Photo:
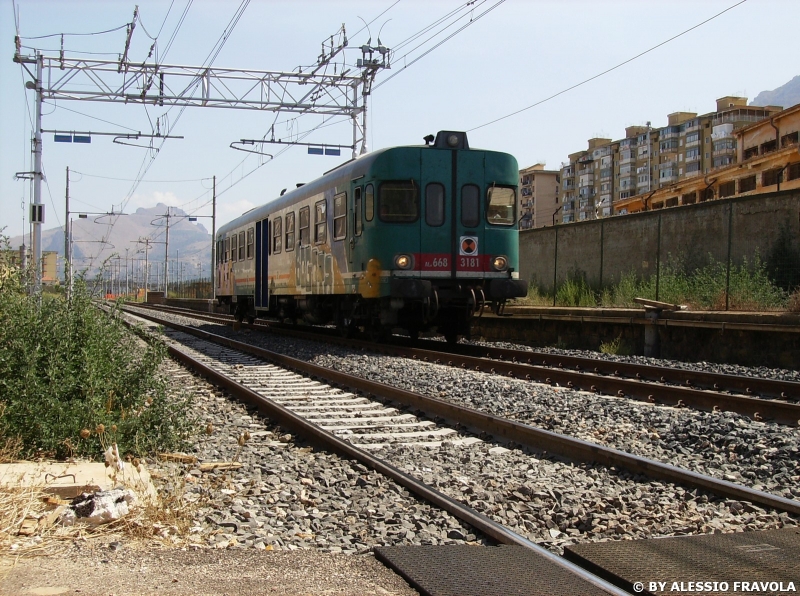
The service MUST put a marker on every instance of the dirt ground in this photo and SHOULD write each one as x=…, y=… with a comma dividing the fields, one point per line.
x=119, y=569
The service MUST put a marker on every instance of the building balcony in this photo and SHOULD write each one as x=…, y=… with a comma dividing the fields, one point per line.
x=667, y=164
x=691, y=174
x=724, y=151
x=667, y=179
x=668, y=135
x=690, y=159
x=693, y=143
x=692, y=128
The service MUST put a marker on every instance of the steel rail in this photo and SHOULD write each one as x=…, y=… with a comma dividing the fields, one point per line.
x=698, y=379
x=515, y=432
x=288, y=419
x=519, y=364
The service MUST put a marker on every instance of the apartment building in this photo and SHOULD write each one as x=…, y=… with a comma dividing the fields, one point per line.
x=766, y=158
x=538, y=196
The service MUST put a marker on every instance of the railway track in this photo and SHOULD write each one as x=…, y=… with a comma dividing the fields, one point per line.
x=356, y=417
x=327, y=415
x=759, y=398
x=489, y=426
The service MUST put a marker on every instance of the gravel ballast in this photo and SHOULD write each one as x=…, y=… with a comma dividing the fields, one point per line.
x=294, y=497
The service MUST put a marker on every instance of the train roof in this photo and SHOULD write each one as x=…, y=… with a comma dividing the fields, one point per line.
x=345, y=172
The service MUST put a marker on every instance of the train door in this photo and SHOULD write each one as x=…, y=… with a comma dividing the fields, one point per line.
x=468, y=213
x=262, y=265
x=436, y=215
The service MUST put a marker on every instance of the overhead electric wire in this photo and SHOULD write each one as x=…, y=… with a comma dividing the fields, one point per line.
x=456, y=32
x=143, y=169
x=76, y=34
x=134, y=180
x=164, y=22
x=427, y=28
x=546, y=99
x=61, y=107
x=175, y=32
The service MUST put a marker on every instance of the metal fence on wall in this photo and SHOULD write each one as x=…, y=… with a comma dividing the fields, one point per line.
x=735, y=254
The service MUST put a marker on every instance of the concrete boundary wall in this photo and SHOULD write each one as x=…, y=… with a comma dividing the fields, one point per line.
x=603, y=250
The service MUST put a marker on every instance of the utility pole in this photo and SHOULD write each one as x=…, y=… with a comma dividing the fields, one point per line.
x=213, y=238
x=67, y=255
x=127, y=287
x=146, y=242
x=166, y=258
x=649, y=149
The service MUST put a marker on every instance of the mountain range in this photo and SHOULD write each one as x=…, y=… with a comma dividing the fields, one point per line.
x=786, y=95
x=95, y=240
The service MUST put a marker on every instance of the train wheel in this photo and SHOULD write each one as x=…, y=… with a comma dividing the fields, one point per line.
x=378, y=333
x=346, y=328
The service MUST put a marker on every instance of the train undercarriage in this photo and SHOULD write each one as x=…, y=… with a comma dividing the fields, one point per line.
x=415, y=306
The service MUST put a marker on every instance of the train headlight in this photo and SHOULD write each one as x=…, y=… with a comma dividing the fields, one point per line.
x=403, y=262
x=500, y=263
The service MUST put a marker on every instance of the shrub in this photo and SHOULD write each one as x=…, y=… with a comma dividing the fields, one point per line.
x=70, y=367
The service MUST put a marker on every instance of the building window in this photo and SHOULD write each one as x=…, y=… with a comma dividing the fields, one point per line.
x=769, y=146
x=728, y=189
x=770, y=177
x=689, y=198
x=290, y=232
x=340, y=216
x=751, y=152
x=793, y=171
x=789, y=139
x=747, y=184
x=672, y=202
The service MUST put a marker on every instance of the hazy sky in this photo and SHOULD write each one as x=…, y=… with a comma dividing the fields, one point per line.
x=519, y=53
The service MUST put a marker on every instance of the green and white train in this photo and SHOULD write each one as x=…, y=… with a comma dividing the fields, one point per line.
x=419, y=238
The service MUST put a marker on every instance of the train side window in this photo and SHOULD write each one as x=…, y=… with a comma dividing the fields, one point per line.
x=320, y=221
x=277, y=235
x=470, y=205
x=241, y=246
x=305, y=226
x=251, y=239
x=234, y=252
x=340, y=216
x=398, y=202
x=357, y=223
x=369, y=202
x=501, y=203
x=290, y=231
x=227, y=249
x=434, y=204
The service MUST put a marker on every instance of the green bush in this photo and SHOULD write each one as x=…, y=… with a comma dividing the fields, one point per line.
x=66, y=368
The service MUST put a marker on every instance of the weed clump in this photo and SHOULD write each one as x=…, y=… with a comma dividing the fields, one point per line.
x=67, y=367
